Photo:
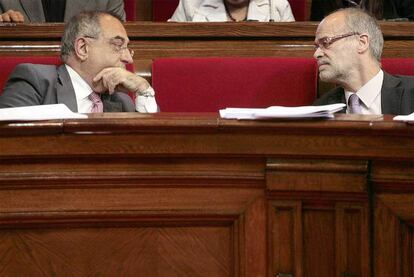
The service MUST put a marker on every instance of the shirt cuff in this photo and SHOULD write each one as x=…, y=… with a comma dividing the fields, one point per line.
x=145, y=101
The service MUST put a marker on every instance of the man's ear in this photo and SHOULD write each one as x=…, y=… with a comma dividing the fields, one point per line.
x=81, y=48
x=363, y=43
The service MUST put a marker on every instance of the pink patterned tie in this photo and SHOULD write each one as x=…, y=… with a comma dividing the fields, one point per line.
x=97, y=105
x=354, y=106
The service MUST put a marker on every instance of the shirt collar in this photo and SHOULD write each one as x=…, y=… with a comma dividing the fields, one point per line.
x=81, y=87
x=370, y=91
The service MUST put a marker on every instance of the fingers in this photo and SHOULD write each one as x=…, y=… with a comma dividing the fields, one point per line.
x=12, y=16
x=112, y=78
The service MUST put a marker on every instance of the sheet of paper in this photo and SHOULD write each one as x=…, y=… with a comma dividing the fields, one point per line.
x=406, y=118
x=41, y=112
x=282, y=112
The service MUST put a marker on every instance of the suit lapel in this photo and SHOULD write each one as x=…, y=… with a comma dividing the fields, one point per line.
x=64, y=89
x=338, y=96
x=34, y=10
x=391, y=95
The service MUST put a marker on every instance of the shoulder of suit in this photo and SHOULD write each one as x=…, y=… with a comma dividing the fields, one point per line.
x=28, y=70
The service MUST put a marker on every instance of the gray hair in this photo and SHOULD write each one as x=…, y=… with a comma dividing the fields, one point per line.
x=84, y=24
x=361, y=22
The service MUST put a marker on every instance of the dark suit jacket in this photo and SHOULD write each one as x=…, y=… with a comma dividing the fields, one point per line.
x=32, y=10
x=397, y=95
x=36, y=84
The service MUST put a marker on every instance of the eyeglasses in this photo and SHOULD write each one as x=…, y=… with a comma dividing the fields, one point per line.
x=326, y=42
x=117, y=43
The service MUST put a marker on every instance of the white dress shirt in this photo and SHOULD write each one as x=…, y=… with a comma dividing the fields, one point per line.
x=82, y=91
x=370, y=95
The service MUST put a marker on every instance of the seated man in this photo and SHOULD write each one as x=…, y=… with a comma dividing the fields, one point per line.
x=349, y=45
x=93, y=78
x=55, y=10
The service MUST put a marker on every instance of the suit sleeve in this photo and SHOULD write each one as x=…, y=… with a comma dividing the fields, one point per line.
x=117, y=7
x=22, y=89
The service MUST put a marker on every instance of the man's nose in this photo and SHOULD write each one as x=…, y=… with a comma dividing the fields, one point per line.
x=127, y=57
x=318, y=53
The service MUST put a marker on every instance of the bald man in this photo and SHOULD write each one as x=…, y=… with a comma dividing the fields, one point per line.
x=349, y=45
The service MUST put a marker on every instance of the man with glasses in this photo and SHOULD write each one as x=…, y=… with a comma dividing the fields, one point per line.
x=349, y=45
x=93, y=77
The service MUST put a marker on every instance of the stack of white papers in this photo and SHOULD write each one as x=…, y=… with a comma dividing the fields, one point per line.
x=42, y=112
x=282, y=112
x=406, y=118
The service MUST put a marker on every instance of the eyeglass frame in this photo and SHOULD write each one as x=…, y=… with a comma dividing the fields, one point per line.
x=119, y=49
x=326, y=42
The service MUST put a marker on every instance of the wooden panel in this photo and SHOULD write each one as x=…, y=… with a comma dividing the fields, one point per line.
x=387, y=242
x=285, y=238
x=151, y=251
x=394, y=217
x=319, y=243
x=407, y=251
x=255, y=239
x=352, y=240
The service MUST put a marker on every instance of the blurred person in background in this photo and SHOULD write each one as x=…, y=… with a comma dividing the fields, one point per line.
x=395, y=10
x=232, y=11
x=55, y=10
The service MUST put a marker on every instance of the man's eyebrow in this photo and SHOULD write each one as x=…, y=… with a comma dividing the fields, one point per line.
x=119, y=38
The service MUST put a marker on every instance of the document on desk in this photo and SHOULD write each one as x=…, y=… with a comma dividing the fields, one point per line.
x=41, y=112
x=282, y=112
x=406, y=118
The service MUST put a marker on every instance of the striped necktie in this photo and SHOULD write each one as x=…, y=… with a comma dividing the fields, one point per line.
x=97, y=105
x=354, y=105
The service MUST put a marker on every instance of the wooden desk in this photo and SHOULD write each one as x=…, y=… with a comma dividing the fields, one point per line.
x=196, y=195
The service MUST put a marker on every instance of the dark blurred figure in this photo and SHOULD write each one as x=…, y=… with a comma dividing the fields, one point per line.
x=55, y=10
x=380, y=9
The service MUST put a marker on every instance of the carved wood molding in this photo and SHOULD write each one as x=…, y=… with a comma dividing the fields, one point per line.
x=321, y=181
x=116, y=172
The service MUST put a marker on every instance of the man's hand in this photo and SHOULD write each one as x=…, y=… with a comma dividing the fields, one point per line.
x=11, y=16
x=113, y=79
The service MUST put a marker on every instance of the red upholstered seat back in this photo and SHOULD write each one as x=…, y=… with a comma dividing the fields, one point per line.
x=130, y=10
x=210, y=84
x=299, y=9
x=162, y=10
x=7, y=65
x=399, y=66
